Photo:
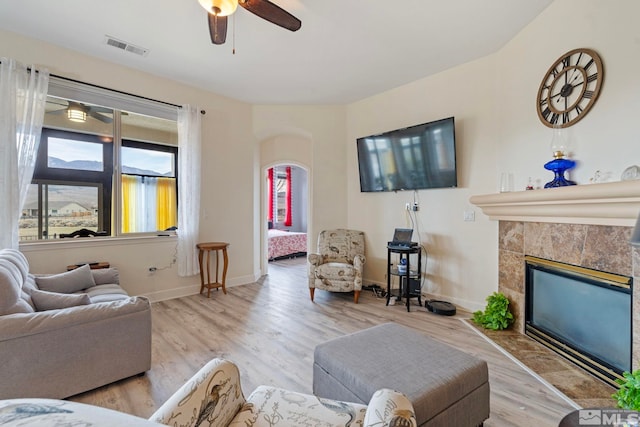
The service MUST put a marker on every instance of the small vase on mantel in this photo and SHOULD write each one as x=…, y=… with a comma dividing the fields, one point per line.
x=560, y=164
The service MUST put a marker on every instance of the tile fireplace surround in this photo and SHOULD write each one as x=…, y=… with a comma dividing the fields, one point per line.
x=585, y=225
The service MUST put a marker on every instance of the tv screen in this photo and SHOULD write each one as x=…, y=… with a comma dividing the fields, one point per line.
x=413, y=158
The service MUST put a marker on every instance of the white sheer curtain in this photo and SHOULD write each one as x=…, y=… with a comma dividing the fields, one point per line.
x=23, y=96
x=140, y=199
x=189, y=144
x=150, y=203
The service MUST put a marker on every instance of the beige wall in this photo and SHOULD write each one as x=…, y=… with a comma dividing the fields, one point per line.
x=492, y=99
x=459, y=253
x=607, y=138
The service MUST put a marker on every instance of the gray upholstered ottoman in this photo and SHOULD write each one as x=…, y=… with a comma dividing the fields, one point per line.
x=446, y=386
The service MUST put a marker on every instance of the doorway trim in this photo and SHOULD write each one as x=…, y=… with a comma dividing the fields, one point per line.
x=264, y=229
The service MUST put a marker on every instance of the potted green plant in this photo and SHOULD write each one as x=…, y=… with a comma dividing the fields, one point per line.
x=496, y=315
x=628, y=395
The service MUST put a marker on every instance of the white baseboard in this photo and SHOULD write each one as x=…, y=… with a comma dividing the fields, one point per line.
x=173, y=293
x=194, y=289
x=463, y=304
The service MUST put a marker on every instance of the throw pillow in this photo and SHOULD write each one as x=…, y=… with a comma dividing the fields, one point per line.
x=44, y=300
x=68, y=282
x=105, y=276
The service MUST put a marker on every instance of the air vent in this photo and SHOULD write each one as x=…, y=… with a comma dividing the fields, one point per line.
x=128, y=47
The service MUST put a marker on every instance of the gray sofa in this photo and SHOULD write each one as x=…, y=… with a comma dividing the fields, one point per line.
x=64, y=334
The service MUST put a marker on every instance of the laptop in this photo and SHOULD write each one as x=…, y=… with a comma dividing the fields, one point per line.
x=402, y=239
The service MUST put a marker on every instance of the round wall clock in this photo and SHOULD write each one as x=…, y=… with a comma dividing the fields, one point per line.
x=570, y=88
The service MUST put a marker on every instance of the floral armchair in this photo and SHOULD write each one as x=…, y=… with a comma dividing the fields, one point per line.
x=338, y=265
x=213, y=398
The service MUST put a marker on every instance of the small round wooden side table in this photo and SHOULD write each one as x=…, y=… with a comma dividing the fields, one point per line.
x=206, y=248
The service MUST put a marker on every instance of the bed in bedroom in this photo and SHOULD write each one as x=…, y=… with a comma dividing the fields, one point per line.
x=286, y=244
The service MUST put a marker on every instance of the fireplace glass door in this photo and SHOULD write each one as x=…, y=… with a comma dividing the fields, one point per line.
x=581, y=313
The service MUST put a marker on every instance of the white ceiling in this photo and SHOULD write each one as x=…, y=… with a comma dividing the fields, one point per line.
x=346, y=50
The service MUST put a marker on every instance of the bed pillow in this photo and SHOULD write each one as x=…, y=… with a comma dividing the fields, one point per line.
x=68, y=282
x=44, y=300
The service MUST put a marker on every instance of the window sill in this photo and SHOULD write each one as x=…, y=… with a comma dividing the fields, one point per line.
x=86, y=242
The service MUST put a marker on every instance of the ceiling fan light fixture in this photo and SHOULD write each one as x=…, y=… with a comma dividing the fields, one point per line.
x=76, y=115
x=219, y=7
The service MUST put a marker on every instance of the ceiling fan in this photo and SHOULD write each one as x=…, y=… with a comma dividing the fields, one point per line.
x=78, y=112
x=218, y=11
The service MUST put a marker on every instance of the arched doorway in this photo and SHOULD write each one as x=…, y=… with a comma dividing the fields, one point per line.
x=286, y=211
x=278, y=153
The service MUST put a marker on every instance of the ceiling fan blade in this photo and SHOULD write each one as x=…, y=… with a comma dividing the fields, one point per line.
x=101, y=109
x=51, y=100
x=217, y=28
x=98, y=116
x=272, y=13
x=77, y=105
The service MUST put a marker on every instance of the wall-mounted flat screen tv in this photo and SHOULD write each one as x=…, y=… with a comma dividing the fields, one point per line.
x=413, y=158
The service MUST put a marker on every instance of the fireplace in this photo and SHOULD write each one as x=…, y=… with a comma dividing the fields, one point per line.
x=582, y=225
x=581, y=313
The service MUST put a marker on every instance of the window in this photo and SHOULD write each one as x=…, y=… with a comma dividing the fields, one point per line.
x=279, y=180
x=108, y=170
x=149, y=191
x=281, y=195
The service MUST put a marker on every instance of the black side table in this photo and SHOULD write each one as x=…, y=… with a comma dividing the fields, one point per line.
x=404, y=253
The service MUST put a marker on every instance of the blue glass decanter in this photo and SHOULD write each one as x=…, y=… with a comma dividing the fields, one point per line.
x=559, y=165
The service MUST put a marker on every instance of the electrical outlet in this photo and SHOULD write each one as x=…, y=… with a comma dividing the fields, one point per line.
x=469, y=216
x=408, y=206
x=415, y=207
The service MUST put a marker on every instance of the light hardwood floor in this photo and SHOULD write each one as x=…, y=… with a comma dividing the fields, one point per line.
x=271, y=328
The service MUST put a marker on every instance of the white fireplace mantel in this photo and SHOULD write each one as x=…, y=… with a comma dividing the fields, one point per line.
x=610, y=203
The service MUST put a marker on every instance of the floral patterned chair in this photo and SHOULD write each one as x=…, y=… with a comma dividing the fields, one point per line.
x=213, y=398
x=338, y=265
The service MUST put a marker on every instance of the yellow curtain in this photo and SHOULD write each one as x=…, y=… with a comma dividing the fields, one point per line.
x=166, y=214
x=129, y=186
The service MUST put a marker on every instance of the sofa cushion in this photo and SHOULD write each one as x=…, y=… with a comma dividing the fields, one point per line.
x=44, y=300
x=29, y=286
x=336, y=271
x=13, y=272
x=106, y=276
x=48, y=322
x=67, y=282
x=106, y=293
x=268, y=406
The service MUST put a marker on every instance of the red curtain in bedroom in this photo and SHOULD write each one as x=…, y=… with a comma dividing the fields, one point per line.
x=270, y=194
x=287, y=218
